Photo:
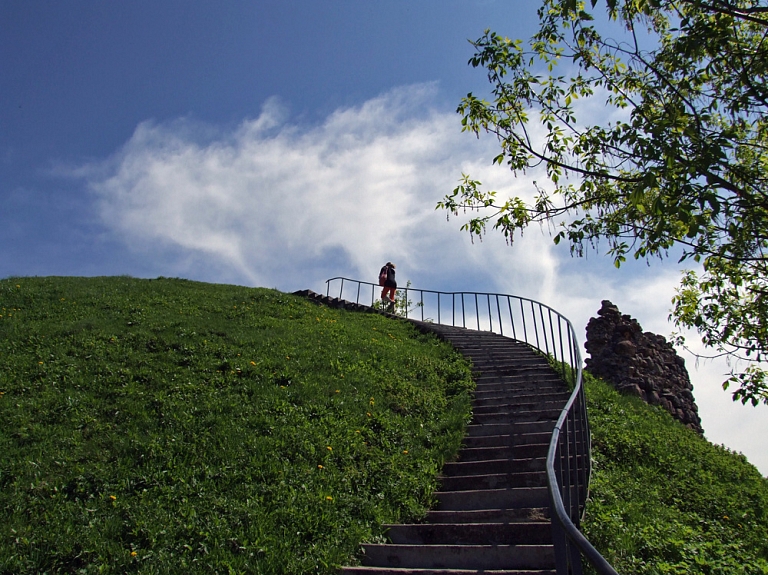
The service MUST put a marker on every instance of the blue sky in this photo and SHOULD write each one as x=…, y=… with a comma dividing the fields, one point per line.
x=277, y=144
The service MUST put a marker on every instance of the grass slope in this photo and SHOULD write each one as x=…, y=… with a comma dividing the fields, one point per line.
x=666, y=501
x=169, y=426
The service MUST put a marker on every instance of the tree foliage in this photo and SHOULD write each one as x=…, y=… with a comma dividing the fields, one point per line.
x=677, y=164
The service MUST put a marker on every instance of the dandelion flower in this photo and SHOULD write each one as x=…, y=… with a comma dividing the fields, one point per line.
x=253, y=363
x=329, y=498
x=320, y=467
x=405, y=451
x=329, y=448
x=133, y=553
x=112, y=497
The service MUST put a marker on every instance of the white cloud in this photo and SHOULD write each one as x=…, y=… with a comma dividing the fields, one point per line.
x=281, y=205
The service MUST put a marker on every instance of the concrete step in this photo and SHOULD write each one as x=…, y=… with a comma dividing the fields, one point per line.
x=510, y=498
x=527, y=409
x=499, y=417
x=512, y=366
x=521, y=393
x=521, y=451
x=493, y=481
x=522, y=388
x=522, y=377
x=459, y=468
x=522, y=533
x=514, y=427
x=512, y=401
x=503, y=440
x=459, y=556
x=477, y=441
x=510, y=385
x=521, y=514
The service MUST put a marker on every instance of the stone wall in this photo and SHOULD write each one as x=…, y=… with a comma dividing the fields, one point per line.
x=641, y=364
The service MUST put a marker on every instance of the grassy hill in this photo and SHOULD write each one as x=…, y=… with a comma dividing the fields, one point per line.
x=169, y=426
x=666, y=501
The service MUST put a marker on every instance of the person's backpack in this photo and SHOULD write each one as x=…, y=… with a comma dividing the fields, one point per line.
x=383, y=275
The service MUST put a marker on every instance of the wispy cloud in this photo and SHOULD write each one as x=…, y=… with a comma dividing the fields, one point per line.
x=274, y=202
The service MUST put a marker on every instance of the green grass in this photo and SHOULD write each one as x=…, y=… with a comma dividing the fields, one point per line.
x=666, y=501
x=169, y=426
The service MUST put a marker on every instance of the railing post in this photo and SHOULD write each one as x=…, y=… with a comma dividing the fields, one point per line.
x=498, y=311
x=522, y=315
x=560, y=547
x=552, y=333
x=511, y=317
x=535, y=326
x=543, y=329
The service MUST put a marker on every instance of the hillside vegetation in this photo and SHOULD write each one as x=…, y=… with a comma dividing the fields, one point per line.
x=169, y=426
x=665, y=501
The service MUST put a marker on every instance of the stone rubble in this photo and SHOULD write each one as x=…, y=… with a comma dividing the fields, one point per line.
x=641, y=364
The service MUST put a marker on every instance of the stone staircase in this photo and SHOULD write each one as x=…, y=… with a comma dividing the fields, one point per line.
x=492, y=514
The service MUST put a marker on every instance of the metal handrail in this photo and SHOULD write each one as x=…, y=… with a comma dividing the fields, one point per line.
x=568, y=464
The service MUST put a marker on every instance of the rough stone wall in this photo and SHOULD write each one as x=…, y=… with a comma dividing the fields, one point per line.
x=641, y=364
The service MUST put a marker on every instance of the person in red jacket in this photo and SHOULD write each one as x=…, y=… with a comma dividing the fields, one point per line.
x=387, y=281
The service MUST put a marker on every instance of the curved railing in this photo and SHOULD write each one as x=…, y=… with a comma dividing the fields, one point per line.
x=543, y=328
